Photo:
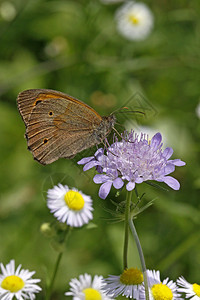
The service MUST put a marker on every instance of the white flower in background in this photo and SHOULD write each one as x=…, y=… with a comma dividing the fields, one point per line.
x=7, y=11
x=134, y=20
x=158, y=289
x=69, y=206
x=191, y=291
x=18, y=284
x=85, y=288
x=198, y=110
x=56, y=46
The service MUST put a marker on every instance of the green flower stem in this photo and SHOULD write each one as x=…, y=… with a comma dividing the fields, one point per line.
x=50, y=288
x=144, y=270
x=126, y=229
x=49, y=291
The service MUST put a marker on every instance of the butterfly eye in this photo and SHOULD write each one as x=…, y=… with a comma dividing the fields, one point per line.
x=45, y=141
x=50, y=113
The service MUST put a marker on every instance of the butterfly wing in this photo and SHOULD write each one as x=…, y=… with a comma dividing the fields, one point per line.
x=57, y=125
x=29, y=99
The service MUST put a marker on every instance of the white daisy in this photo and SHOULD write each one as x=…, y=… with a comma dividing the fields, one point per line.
x=127, y=284
x=158, y=289
x=18, y=284
x=69, y=206
x=191, y=290
x=134, y=20
x=85, y=288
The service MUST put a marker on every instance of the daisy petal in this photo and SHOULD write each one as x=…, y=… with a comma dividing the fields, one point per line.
x=69, y=206
x=159, y=287
x=17, y=283
x=79, y=286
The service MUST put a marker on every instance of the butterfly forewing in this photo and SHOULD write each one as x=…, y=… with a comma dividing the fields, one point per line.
x=53, y=133
x=29, y=99
x=57, y=125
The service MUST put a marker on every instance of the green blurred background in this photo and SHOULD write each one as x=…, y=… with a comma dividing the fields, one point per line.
x=74, y=47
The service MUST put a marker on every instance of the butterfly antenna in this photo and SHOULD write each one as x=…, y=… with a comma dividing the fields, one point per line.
x=118, y=111
x=130, y=111
x=117, y=132
x=107, y=147
x=120, y=124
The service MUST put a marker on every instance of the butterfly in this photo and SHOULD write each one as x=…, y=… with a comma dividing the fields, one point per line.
x=59, y=125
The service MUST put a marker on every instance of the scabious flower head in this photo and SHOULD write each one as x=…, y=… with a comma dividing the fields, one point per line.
x=69, y=206
x=158, y=289
x=134, y=20
x=85, y=288
x=18, y=284
x=132, y=160
x=127, y=284
x=191, y=291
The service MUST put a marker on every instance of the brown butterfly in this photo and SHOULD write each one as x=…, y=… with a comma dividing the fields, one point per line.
x=59, y=125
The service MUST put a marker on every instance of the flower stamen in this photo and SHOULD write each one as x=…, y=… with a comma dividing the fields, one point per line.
x=131, y=276
x=74, y=200
x=92, y=294
x=12, y=283
x=133, y=19
x=161, y=291
x=196, y=289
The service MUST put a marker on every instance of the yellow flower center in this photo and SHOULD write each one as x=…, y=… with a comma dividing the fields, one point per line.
x=74, y=200
x=133, y=19
x=92, y=294
x=12, y=283
x=131, y=276
x=161, y=291
x=196, y=289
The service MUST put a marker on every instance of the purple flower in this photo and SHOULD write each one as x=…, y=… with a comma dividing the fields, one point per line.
x=132, y=160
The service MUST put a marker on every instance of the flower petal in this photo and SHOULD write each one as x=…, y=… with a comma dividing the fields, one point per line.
x=167, y=153
x=98, y=153
x=105, y=189
x=156, y=140
x=90, y=165
x=130, y=186
x=99, y=169
x=172, y=182
x=177, y=162
x=169, y=169
x=118, y=183
x=85, y=160
x=139, y=180
x=100, y=178
x=133, y=160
